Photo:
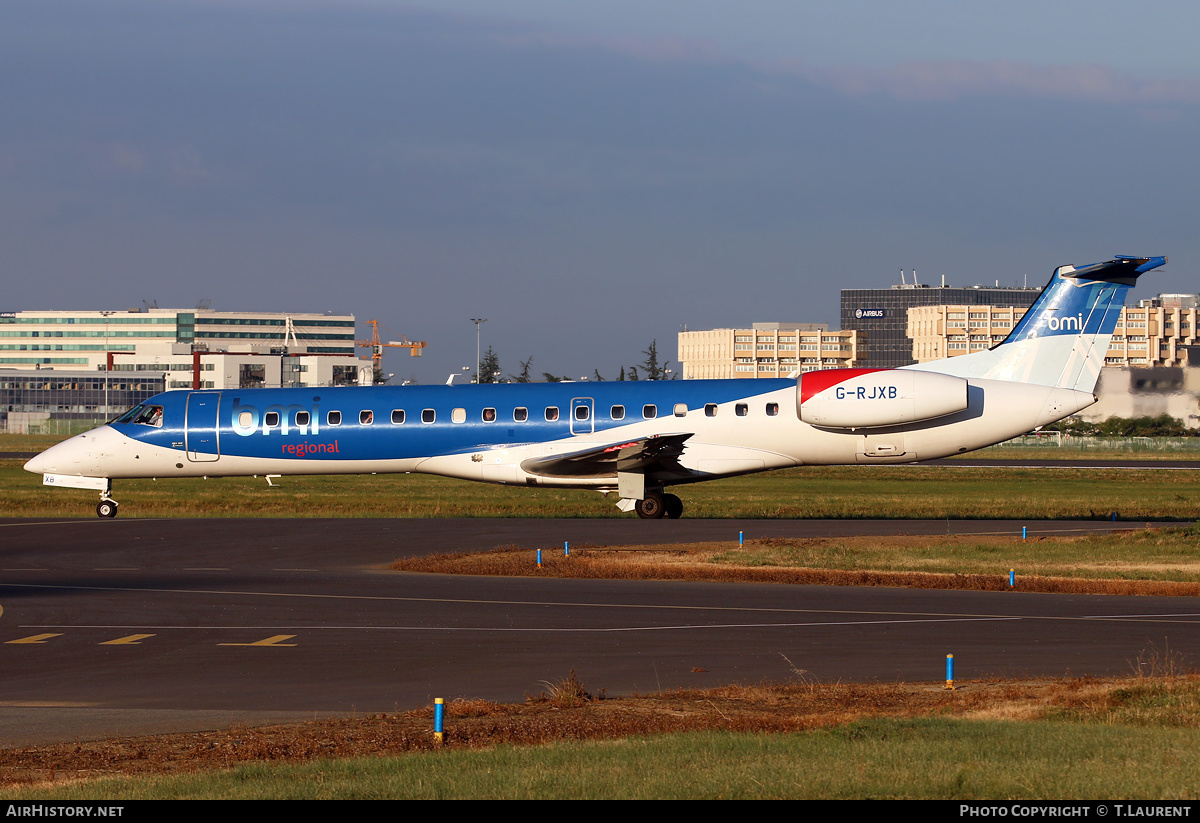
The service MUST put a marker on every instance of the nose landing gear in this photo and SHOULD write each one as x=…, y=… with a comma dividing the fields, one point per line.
x=107, y=507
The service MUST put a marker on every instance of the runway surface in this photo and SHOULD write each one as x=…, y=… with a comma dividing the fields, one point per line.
x=135, y=626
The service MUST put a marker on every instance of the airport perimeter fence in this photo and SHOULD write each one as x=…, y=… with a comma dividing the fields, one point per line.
x=1056, y=440
x=52, y=426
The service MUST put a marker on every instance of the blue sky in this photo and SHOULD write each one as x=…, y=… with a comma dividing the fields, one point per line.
x=588, y=176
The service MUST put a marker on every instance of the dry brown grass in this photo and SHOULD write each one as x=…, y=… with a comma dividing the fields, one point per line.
x=695, y=563
x=764, y=708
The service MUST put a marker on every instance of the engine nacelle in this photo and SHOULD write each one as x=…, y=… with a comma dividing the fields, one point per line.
x=866, y=398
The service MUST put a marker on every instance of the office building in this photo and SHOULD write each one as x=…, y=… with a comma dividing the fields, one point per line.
x=201, y=347
x=880, y=316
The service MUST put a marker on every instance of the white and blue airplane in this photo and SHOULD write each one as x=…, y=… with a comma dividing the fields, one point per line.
x=631, y=439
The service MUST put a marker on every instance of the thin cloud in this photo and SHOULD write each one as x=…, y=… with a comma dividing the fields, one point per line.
x=920, y=80
x=950, y=80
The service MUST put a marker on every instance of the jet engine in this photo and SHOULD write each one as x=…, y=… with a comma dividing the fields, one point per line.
x=866, y=398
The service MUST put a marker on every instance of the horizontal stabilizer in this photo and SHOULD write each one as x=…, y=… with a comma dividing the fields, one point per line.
x=643, y=454
x=1121, y=269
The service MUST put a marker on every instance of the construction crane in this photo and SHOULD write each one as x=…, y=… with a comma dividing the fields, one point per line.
x=376, y=356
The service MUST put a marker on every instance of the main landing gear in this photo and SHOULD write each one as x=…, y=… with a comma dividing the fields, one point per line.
x=657, y=505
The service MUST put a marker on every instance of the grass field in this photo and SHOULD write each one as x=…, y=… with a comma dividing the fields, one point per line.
x=1130, y=738
x=904, y=492
x=1143, y=561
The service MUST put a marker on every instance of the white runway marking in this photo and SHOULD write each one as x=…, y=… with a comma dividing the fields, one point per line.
x=866, y=618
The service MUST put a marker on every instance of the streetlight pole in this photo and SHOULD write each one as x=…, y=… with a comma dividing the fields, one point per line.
x=107, y=360
x=478, y=321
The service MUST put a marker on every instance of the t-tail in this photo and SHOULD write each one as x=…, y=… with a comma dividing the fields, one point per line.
x=1061, y=341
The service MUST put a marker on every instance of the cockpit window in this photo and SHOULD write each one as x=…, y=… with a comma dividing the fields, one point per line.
x=143, y=414
x=128, y=416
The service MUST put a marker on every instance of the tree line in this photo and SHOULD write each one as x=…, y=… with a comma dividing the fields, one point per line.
x=649, y=369
x=1163, y=425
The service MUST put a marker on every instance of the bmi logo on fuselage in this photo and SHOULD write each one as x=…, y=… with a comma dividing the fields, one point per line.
x=246, y=419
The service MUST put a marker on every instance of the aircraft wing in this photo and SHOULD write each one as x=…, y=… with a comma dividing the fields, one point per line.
x=653, y=453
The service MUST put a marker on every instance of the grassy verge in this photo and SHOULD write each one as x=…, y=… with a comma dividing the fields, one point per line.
x=902, y=492
x=1146, y=562
x=1127, y=738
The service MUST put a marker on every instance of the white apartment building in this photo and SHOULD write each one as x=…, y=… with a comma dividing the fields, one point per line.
x=765, y=350
x=1152, y=333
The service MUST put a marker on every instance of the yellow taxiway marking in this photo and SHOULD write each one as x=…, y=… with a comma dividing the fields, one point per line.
x=274, y=640
x=35, y=638
x=131, y=640
x=45, y=704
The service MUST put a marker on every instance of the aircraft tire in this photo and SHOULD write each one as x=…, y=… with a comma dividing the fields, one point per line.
x=651, y=507
x=672, y=506
x=106, y=508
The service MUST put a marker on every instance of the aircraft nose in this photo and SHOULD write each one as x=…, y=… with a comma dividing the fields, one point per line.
x=38, y=464
x=55, y=458
x=68, y=456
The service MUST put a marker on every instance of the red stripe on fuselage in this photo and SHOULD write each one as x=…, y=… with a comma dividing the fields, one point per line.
x=815, y=382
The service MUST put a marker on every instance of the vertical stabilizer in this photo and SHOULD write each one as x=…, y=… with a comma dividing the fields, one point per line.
x=1062, y=339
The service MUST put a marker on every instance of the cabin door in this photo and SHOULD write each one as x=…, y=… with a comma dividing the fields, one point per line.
x=200, y=426
x=583, y=415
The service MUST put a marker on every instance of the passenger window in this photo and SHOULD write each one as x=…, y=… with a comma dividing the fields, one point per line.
x=397, y=416
x=428, y=416
x=710, y=409
x=772, y=409
x=649, y=411
x=334, y=418
x=302, y=418
x=366, y=417
x=245, y=420
x=489, y=415
x=582, y=412
x=741, y=409
x=617, y=412
x=552, y=413
x=458, y=415
x=271, y=420
x=681, y=409
x=520, y=414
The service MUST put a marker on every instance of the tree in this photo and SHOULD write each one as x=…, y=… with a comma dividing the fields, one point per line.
x=654, y=371
x=596, y=374
x=523, y=377
x=489, y=367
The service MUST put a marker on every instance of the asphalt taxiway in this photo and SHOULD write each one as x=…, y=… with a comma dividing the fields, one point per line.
x=134, y=626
